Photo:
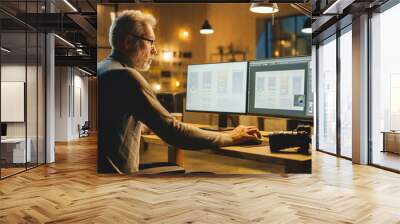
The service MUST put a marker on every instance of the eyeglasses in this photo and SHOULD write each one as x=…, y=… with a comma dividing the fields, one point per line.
x=152, y=42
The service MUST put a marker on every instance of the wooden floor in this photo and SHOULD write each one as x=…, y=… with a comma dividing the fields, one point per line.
x=70, y=191
x=10, y=171
x=387, y=159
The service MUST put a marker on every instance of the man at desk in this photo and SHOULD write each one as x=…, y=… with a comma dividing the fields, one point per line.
x=126, y=100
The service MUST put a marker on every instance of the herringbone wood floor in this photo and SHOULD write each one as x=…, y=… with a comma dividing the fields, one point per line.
x=70, y=191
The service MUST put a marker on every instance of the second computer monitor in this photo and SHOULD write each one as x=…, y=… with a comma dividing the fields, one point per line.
x=280, y=87
x=218, y=87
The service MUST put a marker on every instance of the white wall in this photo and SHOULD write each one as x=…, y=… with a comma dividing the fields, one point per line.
x=16, y=73
x=61, y=103
x=71, y=93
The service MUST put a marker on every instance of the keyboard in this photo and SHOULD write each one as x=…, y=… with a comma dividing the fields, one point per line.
x=252, y=142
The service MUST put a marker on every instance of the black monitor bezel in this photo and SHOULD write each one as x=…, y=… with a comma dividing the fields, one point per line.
x=221, y=112
x=302, y=60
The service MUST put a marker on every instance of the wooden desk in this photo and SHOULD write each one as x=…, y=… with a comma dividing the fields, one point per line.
x=391, y=141
x=14, y=152
x=292, y=162
x=175, y=155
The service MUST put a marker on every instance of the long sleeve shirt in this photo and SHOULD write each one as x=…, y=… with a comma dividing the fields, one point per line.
x=125, y=101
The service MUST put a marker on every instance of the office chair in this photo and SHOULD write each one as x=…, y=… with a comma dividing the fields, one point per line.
x=84, y=130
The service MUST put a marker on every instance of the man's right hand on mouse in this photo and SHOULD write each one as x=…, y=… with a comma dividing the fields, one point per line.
x=244, y=133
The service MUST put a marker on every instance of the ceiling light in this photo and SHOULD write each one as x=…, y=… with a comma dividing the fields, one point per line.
x=307, y=26
x=65, y=41
x=264, y=7
x=5, y=50
x=70, y=5
x=167, y=55
x=206, y=28
x=183, y=34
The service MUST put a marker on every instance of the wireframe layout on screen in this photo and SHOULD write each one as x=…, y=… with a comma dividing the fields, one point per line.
x=280, y=87
x=217, y=87
x=271, y=87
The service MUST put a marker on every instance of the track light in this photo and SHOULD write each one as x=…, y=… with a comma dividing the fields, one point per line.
x=70, y=5
x=84, y=71
x=334, y=8
x=5, y=50
x=65, y=41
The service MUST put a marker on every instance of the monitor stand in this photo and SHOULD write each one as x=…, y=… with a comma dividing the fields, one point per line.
x=222, y=124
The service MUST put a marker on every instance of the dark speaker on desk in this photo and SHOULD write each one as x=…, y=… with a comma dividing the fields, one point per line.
x=173, y=102
x=279, y=141
x=167, y=100
x=3, y=129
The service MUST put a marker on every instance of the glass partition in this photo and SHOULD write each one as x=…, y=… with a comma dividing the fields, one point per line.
x=22, y=89
x=15, y=151
x=327, y=96
x=282, y=37
x=346, y=93
x=385, y=89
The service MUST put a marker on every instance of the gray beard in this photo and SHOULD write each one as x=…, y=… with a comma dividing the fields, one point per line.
x=145, y=68
x=137, y=63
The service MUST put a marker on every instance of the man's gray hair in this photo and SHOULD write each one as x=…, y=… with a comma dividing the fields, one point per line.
x=129, y=22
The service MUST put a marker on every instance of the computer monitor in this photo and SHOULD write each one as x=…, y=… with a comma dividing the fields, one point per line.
x=280, y=87
x=220, y=88
x=3, y=130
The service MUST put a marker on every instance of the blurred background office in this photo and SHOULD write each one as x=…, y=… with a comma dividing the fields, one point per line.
x=236, y=34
